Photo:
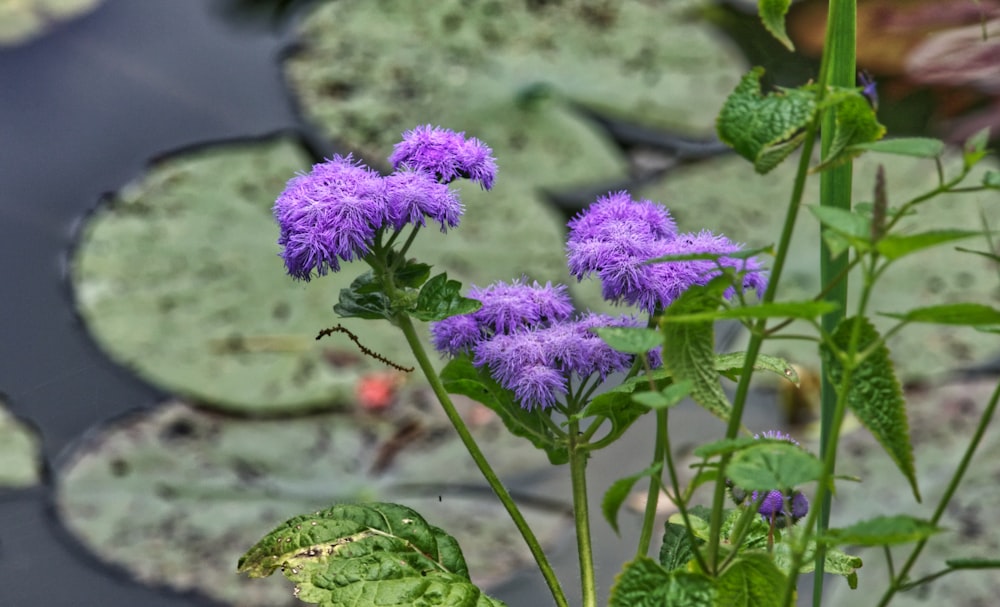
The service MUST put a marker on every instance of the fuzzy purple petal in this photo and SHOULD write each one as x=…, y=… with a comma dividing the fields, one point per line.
x=446, y=155
x=510, y=307
x=413, y=195
x=456, y=335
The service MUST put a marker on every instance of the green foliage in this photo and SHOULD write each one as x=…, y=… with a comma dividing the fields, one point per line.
x=970, y=563
x=615, y=496
x=962, y=314
x=440, y=298
x=678, y=546
x=772, y=465
x=920, y=147
x=364, y=299
x=371, y=554
x=835, y=562
x=772, y=15
x=732, y=363
x=460, y=377
x=752, y=580
x=976, y=148
x=630, y=340
x=784, y=309
x=765, y=129
x=663, y=399
x=844, y=229
x=854, y=123
x=895, y=246
x=617, y=407
x=882, y=531
x=874, y=393
x=645, y=583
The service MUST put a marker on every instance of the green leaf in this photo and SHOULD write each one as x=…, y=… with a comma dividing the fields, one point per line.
x=970, y=563
x=615, y=496
x=773, y=465
x=962, y=314
x=688, y=353
x=617, y=407
x=785, y=309
x=765, y=129
x=991, y=179
x=698, y=516
x=752, y=580
x=921, y=147
x=843, y=221
x=366, y=554
x=874, y=394
x=439, y=298
x=630, y=340
x=364, y=299
x=882, y=531
x=854, y=124
x=412, y=274
x=677, y=548
x=836, y=561
x=772, y=15
x=460, y=377
x=663, y=399
x=733, y=361
x=723, y=446
x=991, y=256
x=975, y=148
x=644, y=583
x=895, y=246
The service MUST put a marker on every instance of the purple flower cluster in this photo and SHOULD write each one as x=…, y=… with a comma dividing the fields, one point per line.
x=615, y=238
x=336, y=211
x=779, y=507
x=525, y=335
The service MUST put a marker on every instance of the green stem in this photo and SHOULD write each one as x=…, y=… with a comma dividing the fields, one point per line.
x=406, y=324
x=653, y=493
x=578, y=472
x=956, y=479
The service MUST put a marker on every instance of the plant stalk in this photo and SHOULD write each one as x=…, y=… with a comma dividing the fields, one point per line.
x=578, y=472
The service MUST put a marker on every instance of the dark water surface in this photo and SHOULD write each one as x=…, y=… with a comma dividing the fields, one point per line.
x=82, y=111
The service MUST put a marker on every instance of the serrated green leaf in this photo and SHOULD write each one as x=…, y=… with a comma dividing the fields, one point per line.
x=773, y=465
x=630, y=340
x=836, y=562
x=688, y=353
x=882, y=531
x=366, y=554
x=663, y=399
x=895, y=246
x=765, y=129
x=733, y=361
x=854, y=124
x=723, y=446
x=698, y=516
x=459, y=376
x=677, y=548
x=752, y=580
x=971, y=563
x=962, y=314
x=772, y=15
x=412, y=274
x=364, y=299
x=439, y=299
x=921, y=147
x=874, y=394
x=644, y=583
x=785, y=309
x=615, y=496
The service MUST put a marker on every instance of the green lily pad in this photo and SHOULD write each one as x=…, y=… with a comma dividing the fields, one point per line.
x=176, y=494
x=20, y=449
x=22, y=20
x=725, y=195
x=178, y=277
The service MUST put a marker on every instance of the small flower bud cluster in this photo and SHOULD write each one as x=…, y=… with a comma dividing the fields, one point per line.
x=336, y=211
x=779, y=508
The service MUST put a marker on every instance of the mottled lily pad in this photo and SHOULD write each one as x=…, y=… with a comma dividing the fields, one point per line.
x=22, y=20
x=178, y=277
x=175, y=495
x=20, y=448
x=724, y=195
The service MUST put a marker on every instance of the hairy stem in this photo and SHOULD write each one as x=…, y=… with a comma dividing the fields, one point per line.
x=578, y=471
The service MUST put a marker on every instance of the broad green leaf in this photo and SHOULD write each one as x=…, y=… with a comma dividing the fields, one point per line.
x=854, y=123
x=963, y=314
x=366, y=554
x=874, y=395
x=666, y=398
x=843, y=221
x=752, y=580
x=439, y=298
x=772, y=15
x=460, y=377
x=688, y=352
x=836, y=562
x=630, y=340
x=723, y=446
x=991, y=179
x=972, y=563
x=764, y=129
x=894, y=246
x=698, y=517
x=364, y=299
x=617, y=407
x=615, y=496
x=882, y=531
x=921, y=147
x=734, y=361
x=773, y=465
x=677, y=549
x=644, y=583
x=784, y=309
x=412, y=274
x=20, y=452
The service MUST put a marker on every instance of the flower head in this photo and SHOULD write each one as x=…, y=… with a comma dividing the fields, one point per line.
x=413, y=195
x=509, y=307
x=446, y=155
x=332, y=212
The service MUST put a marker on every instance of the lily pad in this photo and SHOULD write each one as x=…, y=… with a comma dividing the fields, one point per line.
x=178, y=277
x=725, y=195
x=175, y=495
x=20, y=449
x=22, y=20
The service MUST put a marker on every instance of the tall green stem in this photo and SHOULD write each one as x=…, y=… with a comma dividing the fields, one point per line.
x=578, y=472
x=534, y=546
x=839, y=69
x=653, y=493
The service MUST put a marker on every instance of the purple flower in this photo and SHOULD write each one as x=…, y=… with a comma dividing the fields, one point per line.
x=780, y=508
x=777, y=435
x=509, y=307
x=457, y=335
x=445, y=154
x=332, y=212
x=413, y=195
x=772, y=504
